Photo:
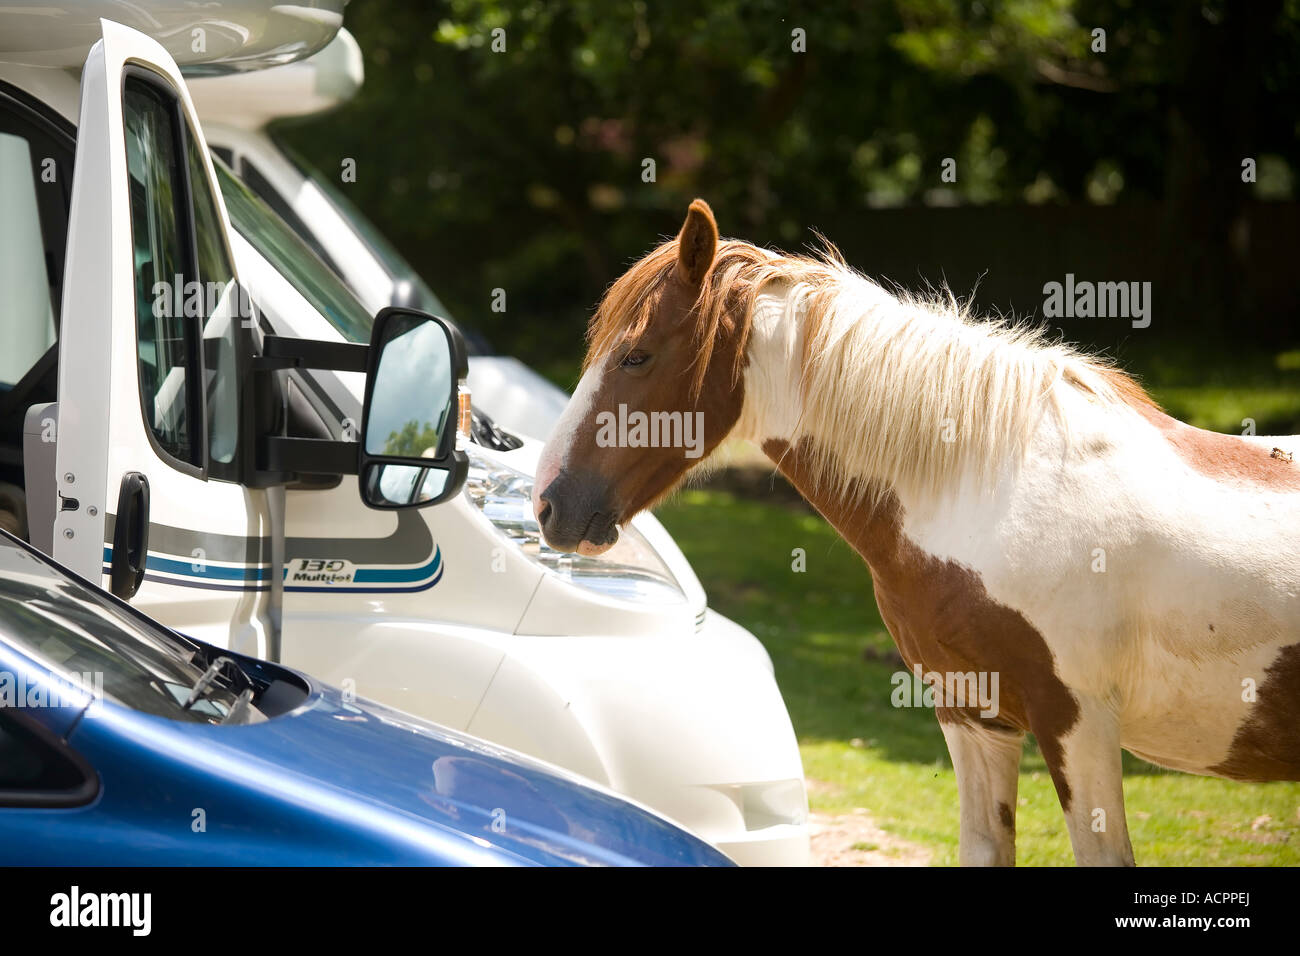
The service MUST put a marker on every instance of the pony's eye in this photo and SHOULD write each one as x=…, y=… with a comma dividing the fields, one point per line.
x=633, y=359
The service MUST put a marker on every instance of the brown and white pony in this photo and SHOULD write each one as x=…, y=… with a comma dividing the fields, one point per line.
x=1025, y=510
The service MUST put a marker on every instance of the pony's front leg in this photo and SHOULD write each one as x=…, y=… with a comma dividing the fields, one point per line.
x=1087, y=770
x=987, y=761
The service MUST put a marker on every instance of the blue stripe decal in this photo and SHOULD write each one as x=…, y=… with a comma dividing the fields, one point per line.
x=209, y=572
x=380, y=575
x=245, y=578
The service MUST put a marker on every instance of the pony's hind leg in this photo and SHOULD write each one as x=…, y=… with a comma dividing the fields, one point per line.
x=987, y=761
x=1086, y=767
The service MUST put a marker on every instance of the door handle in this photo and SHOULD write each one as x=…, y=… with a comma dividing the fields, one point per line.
x=130, y=536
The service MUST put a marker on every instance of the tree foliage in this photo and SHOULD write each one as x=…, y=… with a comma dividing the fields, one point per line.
x=523, y=169
x=412, y=440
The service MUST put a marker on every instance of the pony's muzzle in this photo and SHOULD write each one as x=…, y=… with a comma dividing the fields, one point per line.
x=574, y=515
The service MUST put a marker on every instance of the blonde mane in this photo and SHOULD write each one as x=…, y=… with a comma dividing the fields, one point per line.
x=907, y=392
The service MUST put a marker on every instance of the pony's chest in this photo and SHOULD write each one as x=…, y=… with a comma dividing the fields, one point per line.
x=945, y=624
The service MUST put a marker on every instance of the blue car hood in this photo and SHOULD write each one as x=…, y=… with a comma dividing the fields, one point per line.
x=357, y=767
x=464, y=783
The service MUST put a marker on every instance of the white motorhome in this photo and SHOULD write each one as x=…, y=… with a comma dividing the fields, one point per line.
x=256, y=535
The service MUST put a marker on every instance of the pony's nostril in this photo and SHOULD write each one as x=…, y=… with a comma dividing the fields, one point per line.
x=544, y=513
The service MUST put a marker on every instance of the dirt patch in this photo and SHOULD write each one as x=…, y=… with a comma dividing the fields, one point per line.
x=854, y=839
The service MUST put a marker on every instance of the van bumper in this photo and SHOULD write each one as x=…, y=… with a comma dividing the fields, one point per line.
x=691, y=725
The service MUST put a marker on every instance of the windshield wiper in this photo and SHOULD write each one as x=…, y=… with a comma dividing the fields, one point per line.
x=214, y=670
x=243, y=711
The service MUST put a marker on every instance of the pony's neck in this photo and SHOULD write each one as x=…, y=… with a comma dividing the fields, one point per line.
x=775, y=418
x=890, y=395
x=774, y=401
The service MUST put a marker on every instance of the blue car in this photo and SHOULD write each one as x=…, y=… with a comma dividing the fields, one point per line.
x=124, y=743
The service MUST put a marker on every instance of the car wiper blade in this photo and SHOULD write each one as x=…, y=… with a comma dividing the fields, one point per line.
x=205, y=680
x=202, y=683
x=242, y=711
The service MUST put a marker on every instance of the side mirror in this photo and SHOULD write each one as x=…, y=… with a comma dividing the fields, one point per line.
x=408, y=456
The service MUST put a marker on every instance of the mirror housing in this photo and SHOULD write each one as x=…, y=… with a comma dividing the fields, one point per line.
x=407, y=455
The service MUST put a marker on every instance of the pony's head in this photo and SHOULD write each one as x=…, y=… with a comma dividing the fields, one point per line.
x=661, y=388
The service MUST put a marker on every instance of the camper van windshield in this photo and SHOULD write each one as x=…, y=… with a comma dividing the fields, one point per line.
x=292, y=257
x=392, y=261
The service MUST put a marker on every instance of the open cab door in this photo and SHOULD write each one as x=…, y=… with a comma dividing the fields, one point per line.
x=173, y=437
x=154, y=349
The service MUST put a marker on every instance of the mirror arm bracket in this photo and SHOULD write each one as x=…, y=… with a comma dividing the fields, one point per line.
x=310, y=456
x=285, y=351
x=280, y=458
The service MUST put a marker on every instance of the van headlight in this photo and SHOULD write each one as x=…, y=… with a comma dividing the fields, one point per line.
x=631, y=570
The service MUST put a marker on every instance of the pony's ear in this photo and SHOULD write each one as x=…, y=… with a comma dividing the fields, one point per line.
x=697, y=243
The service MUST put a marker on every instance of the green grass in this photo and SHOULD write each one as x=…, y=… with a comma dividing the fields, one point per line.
x=834, y=660
x=1219, y=392
x=1276, y=411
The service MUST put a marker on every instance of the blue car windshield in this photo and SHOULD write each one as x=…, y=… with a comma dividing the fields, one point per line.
x=81, y=635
